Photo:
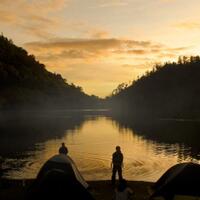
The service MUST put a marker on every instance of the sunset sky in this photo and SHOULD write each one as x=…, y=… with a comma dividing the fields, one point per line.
x=99, y=44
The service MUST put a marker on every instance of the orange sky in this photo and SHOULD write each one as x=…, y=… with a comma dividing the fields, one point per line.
x=99, y=44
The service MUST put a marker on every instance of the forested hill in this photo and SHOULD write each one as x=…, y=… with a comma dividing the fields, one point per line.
x=26, y=84
x=169, y=90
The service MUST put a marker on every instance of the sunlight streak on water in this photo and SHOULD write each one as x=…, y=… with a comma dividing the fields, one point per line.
x=91, y=146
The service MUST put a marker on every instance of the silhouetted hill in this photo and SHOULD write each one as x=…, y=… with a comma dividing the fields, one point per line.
x=169, y=90
x=25, y=83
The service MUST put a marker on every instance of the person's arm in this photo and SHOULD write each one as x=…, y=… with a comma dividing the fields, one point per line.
x=130, y=191
x=111, y=164
x=122, y=161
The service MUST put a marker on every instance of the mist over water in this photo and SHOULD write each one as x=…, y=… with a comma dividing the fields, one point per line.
x=28, y=140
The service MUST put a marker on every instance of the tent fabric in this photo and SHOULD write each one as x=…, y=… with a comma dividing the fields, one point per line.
x=78, y=174
x=65, y=163
x=56, y=184
x=178, y=197
x=59, y=178
x=183, y=178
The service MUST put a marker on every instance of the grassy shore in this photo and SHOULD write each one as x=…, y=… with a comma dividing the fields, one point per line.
x=101, y=190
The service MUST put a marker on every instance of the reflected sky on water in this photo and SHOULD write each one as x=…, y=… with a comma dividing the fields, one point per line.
x=27, y=142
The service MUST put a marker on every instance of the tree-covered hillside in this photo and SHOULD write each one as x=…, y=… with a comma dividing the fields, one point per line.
x=169, y=90
x=25, y=83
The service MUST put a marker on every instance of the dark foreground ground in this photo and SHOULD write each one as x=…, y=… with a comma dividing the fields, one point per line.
x=101, y=190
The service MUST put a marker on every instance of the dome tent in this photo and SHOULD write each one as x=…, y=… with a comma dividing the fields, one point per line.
x=60, y=177
x=64, y=163
x=181, y=179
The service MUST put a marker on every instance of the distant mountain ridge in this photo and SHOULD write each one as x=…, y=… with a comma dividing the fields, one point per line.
x=25, y=83
x=169, y=90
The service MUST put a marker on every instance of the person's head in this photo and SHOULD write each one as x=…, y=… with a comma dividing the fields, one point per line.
x=63, y=144
x=118, y=148
x=122, y=185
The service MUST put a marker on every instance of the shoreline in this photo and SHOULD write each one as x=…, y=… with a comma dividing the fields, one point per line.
x=101, y=190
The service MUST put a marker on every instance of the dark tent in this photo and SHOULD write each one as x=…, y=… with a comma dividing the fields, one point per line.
x=59, y=178
x=181, y=179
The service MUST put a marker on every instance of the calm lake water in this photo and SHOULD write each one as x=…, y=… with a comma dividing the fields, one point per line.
x=149, y=149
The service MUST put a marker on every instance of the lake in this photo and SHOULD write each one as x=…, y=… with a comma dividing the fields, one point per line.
x=150, y=147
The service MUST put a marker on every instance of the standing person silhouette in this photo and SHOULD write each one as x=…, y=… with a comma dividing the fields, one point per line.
x=117, y=164
x=63, y=149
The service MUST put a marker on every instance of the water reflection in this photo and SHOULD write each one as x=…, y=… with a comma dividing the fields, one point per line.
x=21, y=132
x=27, y=141
x=184, y=134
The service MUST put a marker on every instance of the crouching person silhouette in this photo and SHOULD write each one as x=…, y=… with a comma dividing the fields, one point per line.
x=123, y=192
x=63, y=149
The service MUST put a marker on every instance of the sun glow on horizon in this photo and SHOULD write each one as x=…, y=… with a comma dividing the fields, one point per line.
x=100, y=44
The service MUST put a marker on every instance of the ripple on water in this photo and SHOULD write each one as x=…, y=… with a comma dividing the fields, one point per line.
x=143, y=159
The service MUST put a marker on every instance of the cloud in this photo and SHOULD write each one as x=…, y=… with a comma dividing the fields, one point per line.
x=133, y=51
x=65, y=55
x=188, y=25
x=137, y=51
x=38, y=32
x=49, y=5
x=42, y=19
x=167, y=55
x=88, y=49
x=91, y=49
x=132, y=66
x=24, y=6
x=112, y=3
x=178, y=49
x=168, y=1
x=7, y=17
x=151, y=49
x=32, y=17
x=99, y=34
x=89, y=44
x=100, y=61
